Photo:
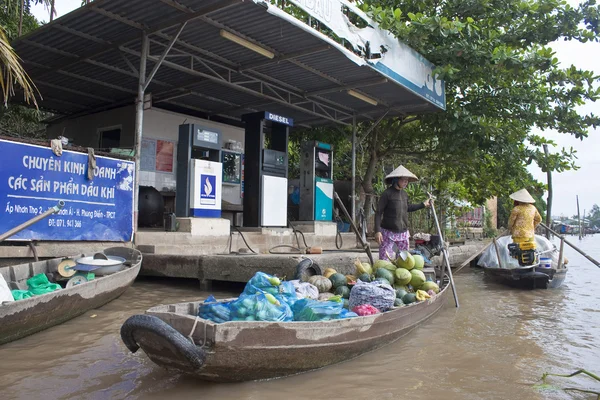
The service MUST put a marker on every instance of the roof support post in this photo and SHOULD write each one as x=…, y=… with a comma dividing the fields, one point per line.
x=139, y=120
x=163, y=56
x=353, y=194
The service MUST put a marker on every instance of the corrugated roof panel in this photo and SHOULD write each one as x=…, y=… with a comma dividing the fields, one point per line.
x=101, y=69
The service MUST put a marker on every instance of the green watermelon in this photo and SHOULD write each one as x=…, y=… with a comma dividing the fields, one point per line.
x=419, y=261
x=338, y=280
x=429, y=285
x=409, y=263
x=402, y=276
x=418, y=278
x=398, y=303
x=381, y=264
x=384, y=273
x=409, y=298
x=382, y=280
x=365, y=277
x=400, y=293
x=343, y=291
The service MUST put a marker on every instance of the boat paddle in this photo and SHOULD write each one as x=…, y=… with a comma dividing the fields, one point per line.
x=444, y=250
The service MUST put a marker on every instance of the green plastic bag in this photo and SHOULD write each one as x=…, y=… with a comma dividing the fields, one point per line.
x=21, y=294
x=39, y=284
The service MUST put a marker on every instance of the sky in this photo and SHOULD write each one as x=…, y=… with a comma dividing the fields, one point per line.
x=585, y=182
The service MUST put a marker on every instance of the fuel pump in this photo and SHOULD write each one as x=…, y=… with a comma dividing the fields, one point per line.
x=316, y=181
x=266, y=169
x=199, y=172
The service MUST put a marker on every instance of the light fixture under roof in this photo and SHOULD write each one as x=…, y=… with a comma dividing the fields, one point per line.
x=362, y=97
x=245, y=43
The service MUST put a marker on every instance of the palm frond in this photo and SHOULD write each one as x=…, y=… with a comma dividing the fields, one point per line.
x=14, y=74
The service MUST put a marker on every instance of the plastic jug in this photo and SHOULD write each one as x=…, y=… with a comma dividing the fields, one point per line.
x=545, y=262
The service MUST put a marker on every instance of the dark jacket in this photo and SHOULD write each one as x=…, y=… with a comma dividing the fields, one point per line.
x=393, y=206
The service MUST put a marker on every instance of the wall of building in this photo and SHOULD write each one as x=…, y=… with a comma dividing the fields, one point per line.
x=158, y=125
x=84, y=131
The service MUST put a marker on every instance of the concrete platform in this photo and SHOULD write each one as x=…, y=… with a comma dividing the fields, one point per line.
x=241, y=267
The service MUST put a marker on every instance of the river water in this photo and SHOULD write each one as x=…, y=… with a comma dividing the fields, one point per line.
x=496, y=345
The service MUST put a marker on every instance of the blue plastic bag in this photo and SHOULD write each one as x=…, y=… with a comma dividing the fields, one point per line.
x=287, y=293
x=262, y=282
x=256, y=307
x=215, y=311
x=314, y=310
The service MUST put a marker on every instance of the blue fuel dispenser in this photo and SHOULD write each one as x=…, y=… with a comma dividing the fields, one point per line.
x=199, y=172
x=316, y=181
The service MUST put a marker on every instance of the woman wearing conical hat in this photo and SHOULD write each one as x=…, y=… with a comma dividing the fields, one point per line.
x=524, y=217
x=391, y=218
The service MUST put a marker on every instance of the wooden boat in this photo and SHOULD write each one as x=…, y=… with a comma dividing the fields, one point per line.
x=25, y=317
x=175, y=338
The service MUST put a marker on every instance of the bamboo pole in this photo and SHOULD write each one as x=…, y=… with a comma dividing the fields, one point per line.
x=560, y=253
x=549, y=201
x=578, y=217
x=497, y=253
x=596, y=263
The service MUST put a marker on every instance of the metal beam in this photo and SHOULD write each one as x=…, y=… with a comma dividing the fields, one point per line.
x=353, y=85
x=77, y=92
x=233, y=85
x=150, y=30
x=164, y=54
x=353, y=190
x=284, y=57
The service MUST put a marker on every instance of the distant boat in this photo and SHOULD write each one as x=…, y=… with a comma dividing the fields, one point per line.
x=534, y=276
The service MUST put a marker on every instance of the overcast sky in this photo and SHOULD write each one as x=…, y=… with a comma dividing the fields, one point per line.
x=584, y=182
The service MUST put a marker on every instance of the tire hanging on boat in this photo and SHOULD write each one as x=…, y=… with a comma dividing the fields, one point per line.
x=138, y=326
x=307, y=268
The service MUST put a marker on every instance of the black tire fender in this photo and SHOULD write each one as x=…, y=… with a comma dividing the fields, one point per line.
x=138, y=325
x=307, y=268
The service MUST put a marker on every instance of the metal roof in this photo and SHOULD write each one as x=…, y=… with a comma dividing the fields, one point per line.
x=88, y=61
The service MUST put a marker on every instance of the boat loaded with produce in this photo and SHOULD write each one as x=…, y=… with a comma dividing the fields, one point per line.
x=277, y=328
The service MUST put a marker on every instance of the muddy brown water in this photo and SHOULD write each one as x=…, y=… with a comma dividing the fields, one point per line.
x=496, y=346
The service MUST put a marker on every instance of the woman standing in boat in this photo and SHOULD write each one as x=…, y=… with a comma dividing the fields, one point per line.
x=524, y=217
x=391, y=218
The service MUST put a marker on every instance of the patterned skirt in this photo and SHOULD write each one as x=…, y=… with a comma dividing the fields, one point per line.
x=392, y=242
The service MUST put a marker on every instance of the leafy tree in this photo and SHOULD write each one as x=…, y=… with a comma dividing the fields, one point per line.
x=502, y=80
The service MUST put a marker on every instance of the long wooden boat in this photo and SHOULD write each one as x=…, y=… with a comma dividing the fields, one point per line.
x=175, y=338
x=528, y=278
x=25, y=317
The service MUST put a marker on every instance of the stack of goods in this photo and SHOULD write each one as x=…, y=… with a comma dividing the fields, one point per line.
x=370, y=290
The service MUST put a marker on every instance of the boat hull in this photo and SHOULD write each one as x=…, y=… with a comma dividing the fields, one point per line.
x=25, y=317
x=530, y=278
x=243, y=351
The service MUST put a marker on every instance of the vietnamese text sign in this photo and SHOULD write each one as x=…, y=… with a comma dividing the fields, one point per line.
x=33, y=179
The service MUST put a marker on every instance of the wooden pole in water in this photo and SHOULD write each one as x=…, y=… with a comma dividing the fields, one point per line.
x=549, y=201
x=560, y=253
x=596, y=263
x=578, y=217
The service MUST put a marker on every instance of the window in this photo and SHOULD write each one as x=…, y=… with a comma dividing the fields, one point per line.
x=109, y=138
x=232, y=166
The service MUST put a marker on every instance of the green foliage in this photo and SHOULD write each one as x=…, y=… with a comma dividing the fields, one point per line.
x=488, y=228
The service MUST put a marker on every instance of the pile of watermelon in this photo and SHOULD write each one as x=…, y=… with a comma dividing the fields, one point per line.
x=405, y=275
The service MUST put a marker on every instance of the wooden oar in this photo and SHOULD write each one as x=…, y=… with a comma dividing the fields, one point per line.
x=444, y=250
x=365, y=244
x=596, y=263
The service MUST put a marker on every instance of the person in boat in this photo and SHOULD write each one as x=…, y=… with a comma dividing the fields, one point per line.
x=523, y=219
x=391, y=218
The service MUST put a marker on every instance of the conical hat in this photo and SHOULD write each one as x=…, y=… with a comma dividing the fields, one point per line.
x=399, y=173
x=523, y=196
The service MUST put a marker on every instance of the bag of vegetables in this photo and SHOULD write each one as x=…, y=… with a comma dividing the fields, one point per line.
x=216, y=311
x=262, y=282
x=260, y=307
x=314, y=310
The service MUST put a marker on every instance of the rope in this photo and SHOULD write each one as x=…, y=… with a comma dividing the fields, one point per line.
x=194, y=328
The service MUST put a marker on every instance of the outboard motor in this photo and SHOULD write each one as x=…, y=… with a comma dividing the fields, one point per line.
x=524, y=253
